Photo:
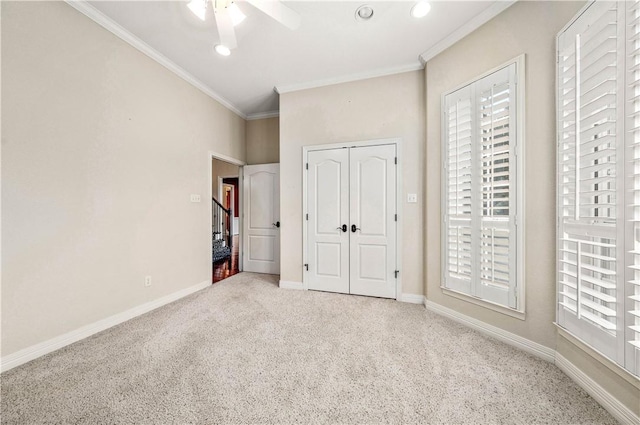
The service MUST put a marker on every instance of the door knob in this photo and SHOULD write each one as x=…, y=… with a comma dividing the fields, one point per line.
x=276, y=224
x=343, y=228
x=354, y=228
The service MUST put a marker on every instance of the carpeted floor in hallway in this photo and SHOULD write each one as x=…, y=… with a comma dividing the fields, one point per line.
x=245, y=351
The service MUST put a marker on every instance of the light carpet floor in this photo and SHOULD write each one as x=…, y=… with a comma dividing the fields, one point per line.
x=245, y=351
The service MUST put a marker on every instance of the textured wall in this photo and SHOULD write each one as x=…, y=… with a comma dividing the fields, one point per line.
x=377, y=108
x=221, y=169
x=529, y=28
x=263, y=141
x=101, y=148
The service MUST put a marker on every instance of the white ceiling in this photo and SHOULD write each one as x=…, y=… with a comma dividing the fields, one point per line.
x=329, y=46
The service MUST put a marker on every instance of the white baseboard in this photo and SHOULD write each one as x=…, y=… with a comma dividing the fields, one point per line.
x=524, y=344
x=606, y=400
x=30, y=353
x=602, y=396
x=287, y=284
x=411, y=298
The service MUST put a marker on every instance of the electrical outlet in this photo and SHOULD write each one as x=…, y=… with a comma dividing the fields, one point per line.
x=147, y=281
x=412, y=198
x=195, y=197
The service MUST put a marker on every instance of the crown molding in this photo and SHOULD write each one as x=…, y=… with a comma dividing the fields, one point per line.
x=349, y=78
x=107, y=23
x=476, y=22
x=262, y=115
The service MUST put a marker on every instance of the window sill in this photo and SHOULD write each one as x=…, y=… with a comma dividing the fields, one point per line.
x=605, y=361
x=520, y=315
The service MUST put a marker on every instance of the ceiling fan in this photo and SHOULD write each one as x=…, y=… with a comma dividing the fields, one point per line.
x=228, y=15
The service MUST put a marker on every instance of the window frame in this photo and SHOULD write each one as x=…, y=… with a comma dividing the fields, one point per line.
x=519, y=104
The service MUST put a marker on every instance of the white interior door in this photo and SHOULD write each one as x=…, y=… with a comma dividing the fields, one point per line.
x=373, y=225
x=261, y=236
x=328, y=209
x=355, y=187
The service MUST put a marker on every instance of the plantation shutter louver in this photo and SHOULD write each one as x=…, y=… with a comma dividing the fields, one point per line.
x=459, y=180
x=479, y=183
x=599, y=180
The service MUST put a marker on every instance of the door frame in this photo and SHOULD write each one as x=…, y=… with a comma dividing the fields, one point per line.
x=221, y=184
x=214, y=155
x=363, y=143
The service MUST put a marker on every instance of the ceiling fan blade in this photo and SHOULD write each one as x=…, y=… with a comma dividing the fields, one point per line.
x=278, y=11
x=225, y=29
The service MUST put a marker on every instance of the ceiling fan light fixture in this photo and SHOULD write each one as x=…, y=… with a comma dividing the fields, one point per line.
x=199, y=8
x=420, y=9
x=236, y=14
x=364, y=13
x=222, y=50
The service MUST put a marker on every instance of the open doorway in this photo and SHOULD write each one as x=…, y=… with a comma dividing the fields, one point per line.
x=225, y=219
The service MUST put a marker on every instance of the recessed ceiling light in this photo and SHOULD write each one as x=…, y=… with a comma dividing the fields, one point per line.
x=364, y=13
x=420, y=9
x=222, y=50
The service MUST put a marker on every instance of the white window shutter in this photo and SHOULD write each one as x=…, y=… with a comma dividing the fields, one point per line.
x=496, y=163
x=588, y=66
x=599, y=180
x=632, y=190
x=479, y=191
x=567, y=188
x=457, y=166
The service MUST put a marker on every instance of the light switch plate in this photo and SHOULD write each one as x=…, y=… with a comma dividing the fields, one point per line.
x=412, y=198
x=195, y=198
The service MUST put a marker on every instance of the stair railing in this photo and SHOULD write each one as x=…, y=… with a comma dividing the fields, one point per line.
x=222, y=222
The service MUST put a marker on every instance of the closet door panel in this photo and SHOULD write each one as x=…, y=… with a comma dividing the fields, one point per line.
x=328, y=206
x=372, y=215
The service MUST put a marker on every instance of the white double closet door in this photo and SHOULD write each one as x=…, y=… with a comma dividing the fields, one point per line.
x=351, y=235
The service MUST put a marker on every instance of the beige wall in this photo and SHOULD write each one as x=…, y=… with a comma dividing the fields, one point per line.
x=386, y=107
x=263, y=141
x=529, y=28
x=616, y=381
x=221, y=169
x=101, y=148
